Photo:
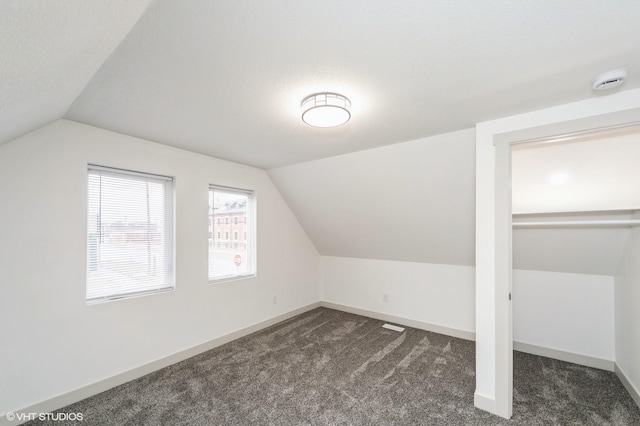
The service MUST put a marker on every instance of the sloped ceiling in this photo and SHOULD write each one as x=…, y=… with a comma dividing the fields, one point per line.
x=583, y=178
x=595, y=251
x=226, y=78
x=50, y=51
x=415, y=201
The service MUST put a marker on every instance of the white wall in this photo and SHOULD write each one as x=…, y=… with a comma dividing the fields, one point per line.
x=627, y=312
x=564, y=311
x=42, y=255
x=441, y=295
x=52, y=341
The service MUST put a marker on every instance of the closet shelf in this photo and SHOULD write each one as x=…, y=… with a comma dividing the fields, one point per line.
x=579, y=223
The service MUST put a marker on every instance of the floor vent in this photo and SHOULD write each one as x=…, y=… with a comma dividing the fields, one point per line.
x=393, y=327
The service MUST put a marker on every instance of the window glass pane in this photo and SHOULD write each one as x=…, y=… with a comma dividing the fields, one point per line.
x=228, y=212
x=129, y=234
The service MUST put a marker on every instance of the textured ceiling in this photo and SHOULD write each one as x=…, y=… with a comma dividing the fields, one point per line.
x=49, y=52
x=226, y=78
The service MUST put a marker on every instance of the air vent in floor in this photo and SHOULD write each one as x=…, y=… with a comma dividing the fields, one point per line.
x=393, y=327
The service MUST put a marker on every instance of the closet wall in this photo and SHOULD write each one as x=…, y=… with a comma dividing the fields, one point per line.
x=627, y=314
x=574, y=204
x=565, y=312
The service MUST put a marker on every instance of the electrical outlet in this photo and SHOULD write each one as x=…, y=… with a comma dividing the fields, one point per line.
x=385, y=298
x=275, y=300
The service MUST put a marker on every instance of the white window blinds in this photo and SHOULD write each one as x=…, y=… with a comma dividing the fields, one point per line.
x=129, y=234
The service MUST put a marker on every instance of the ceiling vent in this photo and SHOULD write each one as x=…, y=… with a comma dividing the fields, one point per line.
x=610, y=80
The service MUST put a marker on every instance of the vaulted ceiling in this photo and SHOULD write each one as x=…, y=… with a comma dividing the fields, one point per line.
x=50, y=50
x=226, y=78
x=415, y=201
x=589, y=178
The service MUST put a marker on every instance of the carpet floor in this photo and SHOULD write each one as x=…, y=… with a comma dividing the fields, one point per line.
x=327, y=367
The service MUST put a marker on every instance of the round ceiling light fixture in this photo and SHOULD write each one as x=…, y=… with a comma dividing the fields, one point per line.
x=325, y=109
x=610, y=79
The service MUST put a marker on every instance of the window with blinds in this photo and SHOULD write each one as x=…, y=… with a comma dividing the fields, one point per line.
x=231, y=214
x=129, y=234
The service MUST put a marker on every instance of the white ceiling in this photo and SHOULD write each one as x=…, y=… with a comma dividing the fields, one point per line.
x=583, y=250
x=599, y=172
x=226, y=78
x=415, y=201
x=585, y=175
x=50, y=51
x=412, y=201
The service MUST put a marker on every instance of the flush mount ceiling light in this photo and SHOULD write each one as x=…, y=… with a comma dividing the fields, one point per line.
x=325, y=109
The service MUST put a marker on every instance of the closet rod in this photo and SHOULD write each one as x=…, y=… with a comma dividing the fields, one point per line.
x=577, y=212
x=578, y=223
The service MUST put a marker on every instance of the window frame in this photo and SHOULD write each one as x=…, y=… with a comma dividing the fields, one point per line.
x=251, y=244
x=169, y=233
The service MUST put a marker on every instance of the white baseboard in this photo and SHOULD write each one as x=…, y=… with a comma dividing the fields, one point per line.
x=454, y=332
x=633, y=391
x=81, y=393
x=484, y=402
x=588, y=361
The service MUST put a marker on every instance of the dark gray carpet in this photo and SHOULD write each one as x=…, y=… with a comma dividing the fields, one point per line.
x=327, y=367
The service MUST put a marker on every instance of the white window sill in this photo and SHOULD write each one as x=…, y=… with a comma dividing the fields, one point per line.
x=101, y=300
x=232, y=278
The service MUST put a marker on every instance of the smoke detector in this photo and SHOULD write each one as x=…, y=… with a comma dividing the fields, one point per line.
x=610, y=79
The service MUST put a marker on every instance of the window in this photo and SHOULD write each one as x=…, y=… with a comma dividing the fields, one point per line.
x=235, y=220
x=129, y=234
x=232, y=261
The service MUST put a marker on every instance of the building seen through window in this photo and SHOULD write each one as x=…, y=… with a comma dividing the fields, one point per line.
x=230, y=257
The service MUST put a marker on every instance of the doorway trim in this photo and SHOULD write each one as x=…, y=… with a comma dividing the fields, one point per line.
x=494, y=339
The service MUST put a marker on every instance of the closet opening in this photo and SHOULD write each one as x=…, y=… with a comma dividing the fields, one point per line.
x=574, y=201
x=494, y=265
